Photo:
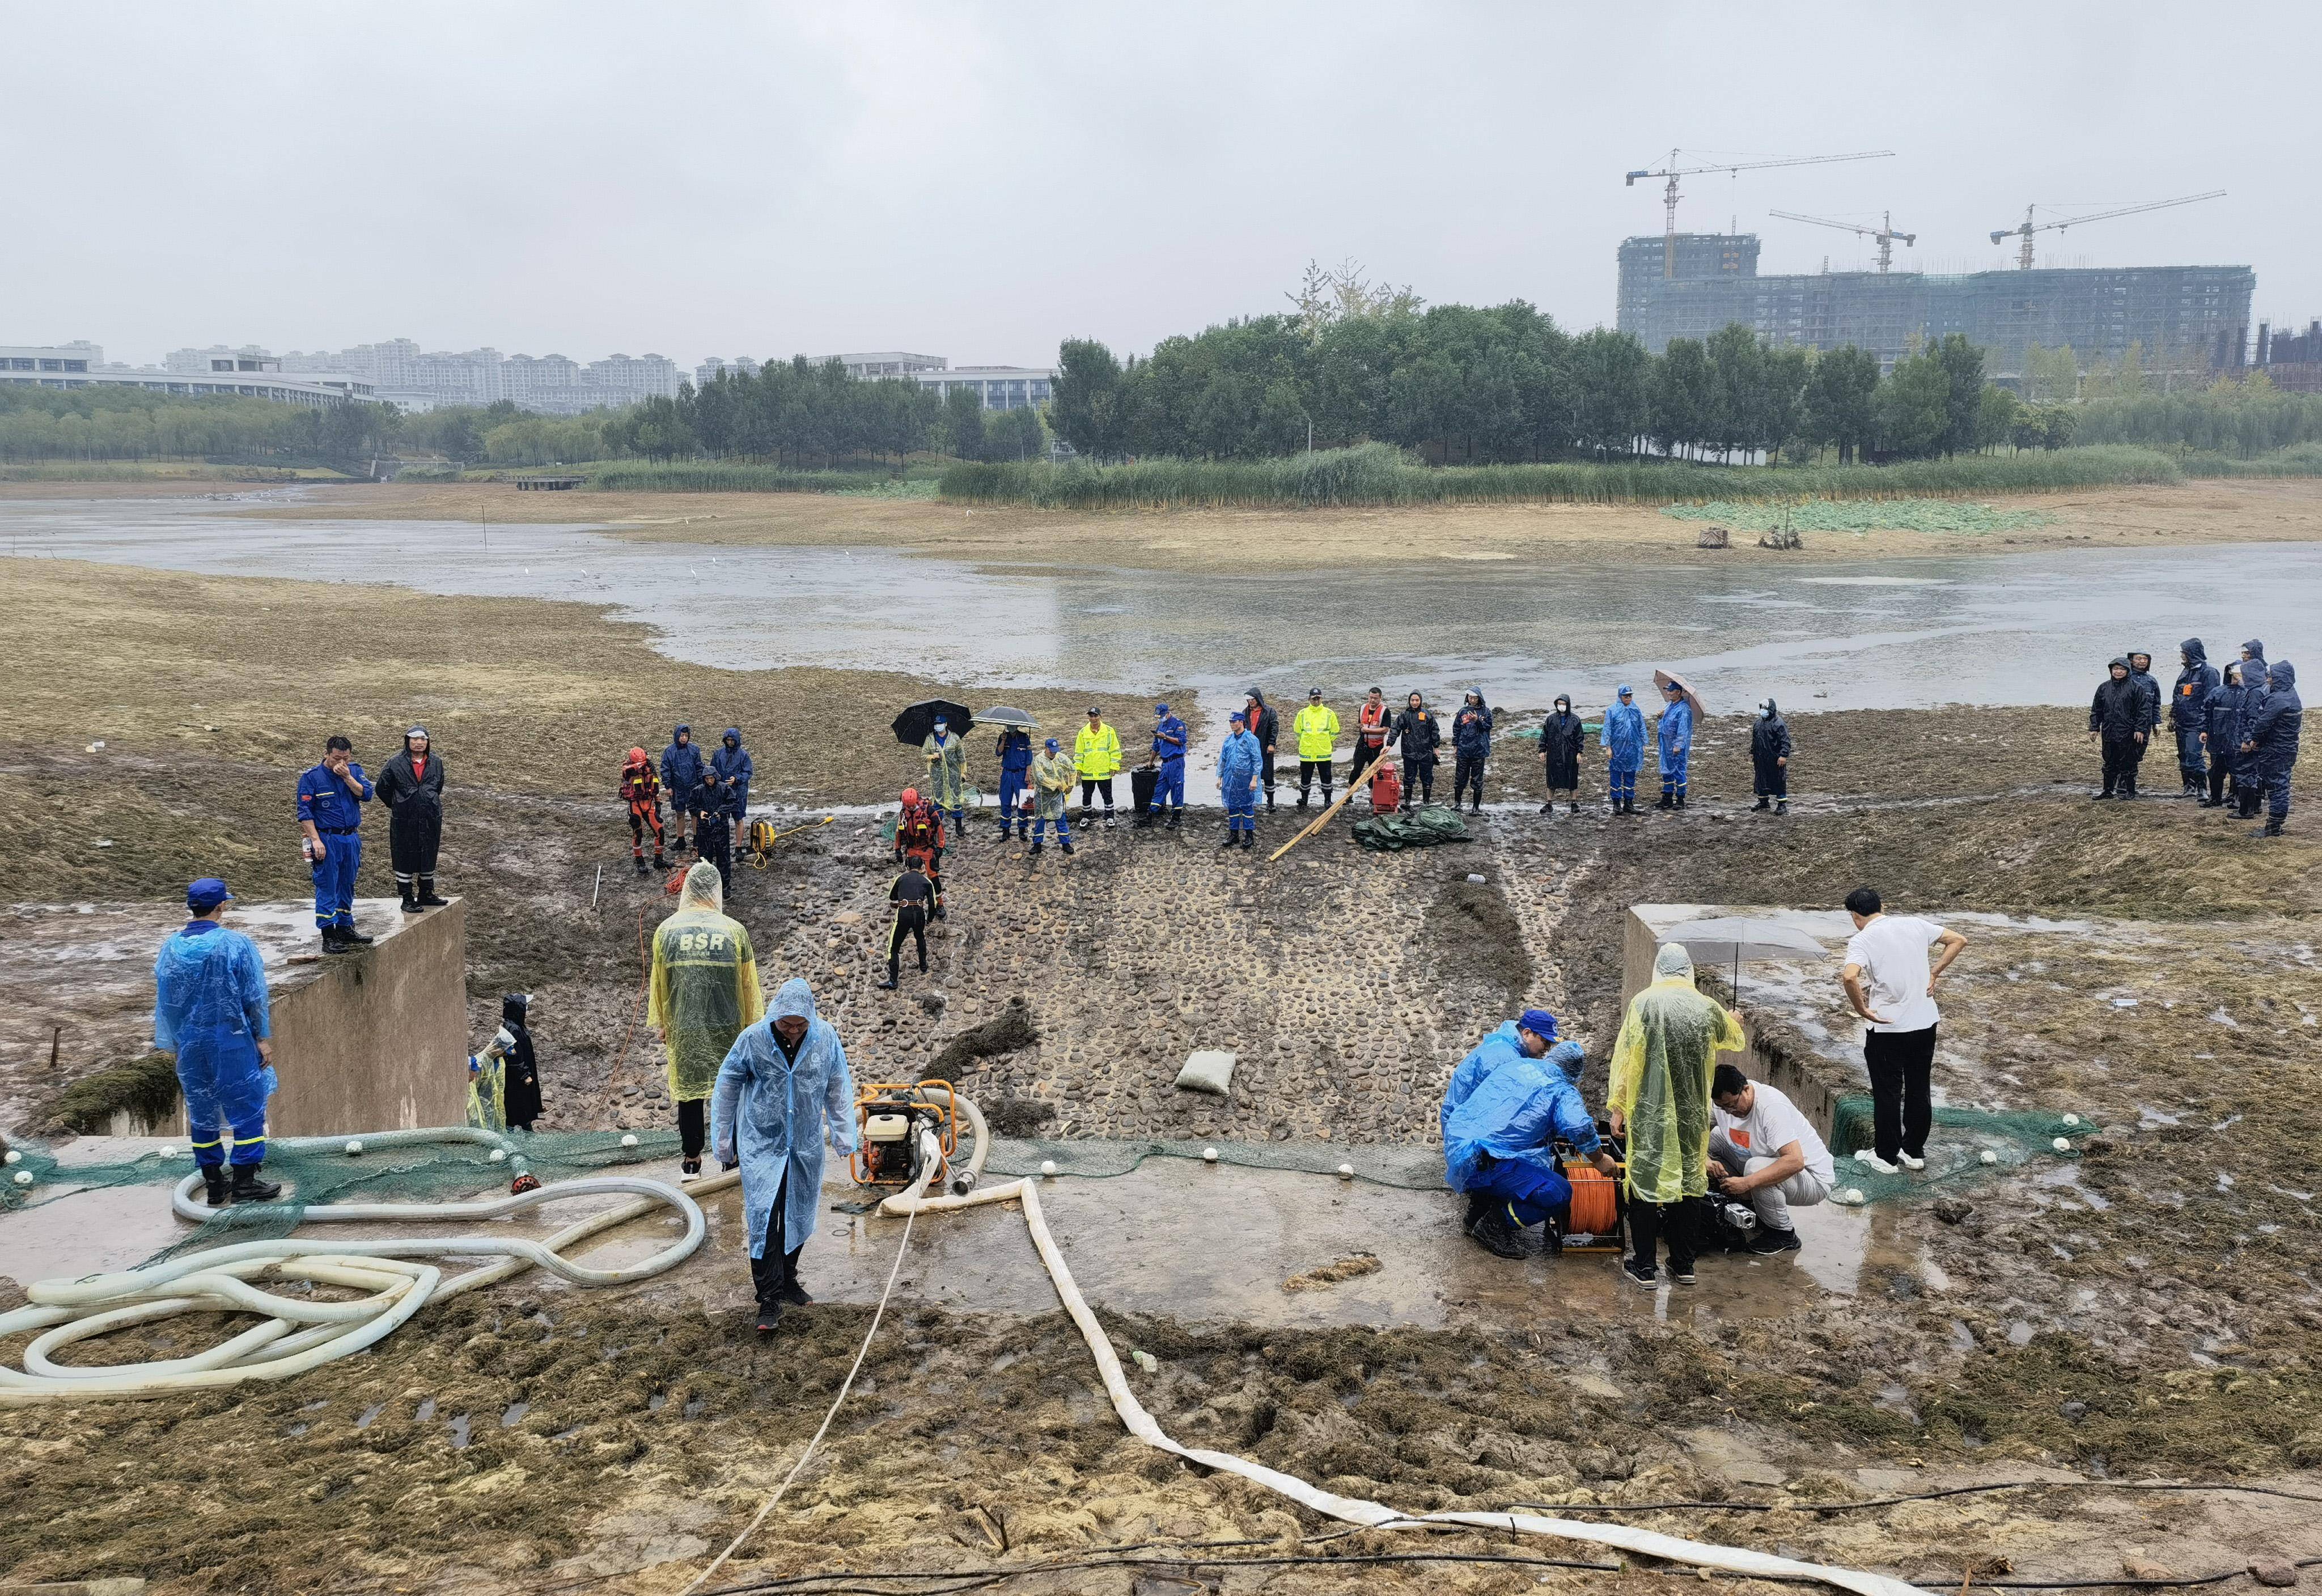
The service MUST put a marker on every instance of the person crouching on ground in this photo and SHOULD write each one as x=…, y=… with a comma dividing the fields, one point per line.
x=641, y=791
x=704, y=992
x=1763, y=1152
x=1499, y=1143
x=210, y=1011
x=1659, y=1100
x=1052, y=787
x=1238, y=763
x=783, y=1092
x=1769, y=757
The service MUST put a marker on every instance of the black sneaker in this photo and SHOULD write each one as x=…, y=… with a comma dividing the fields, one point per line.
x=770, y=1316
x=1498, y=1234
x=886, y=986
x=1682, y=1273
x=1767, y=1239
x=796, y=1296
x=1639, y=1274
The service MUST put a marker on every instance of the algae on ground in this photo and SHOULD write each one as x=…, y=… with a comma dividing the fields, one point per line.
x=1895, y=514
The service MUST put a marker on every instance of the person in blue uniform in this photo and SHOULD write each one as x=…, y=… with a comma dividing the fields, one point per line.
x=1169, y=737
x=331, y=796
x=1015, y=751
x=210, y=1011
x=1676, y=737
x=1622, y=736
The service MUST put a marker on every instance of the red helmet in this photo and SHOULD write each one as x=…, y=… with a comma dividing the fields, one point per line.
x=910, y=796
x=636, y=756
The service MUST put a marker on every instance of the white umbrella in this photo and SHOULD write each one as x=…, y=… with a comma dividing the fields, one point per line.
x=1732, y=940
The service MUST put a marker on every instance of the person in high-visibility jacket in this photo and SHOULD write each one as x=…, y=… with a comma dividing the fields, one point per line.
x=1096, y=755
x=1317, y=728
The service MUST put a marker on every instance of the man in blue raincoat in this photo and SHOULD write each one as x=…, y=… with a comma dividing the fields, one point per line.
x=1169, y=736
x=1528, y=1037
x=2271, y=742
x=209, y=1010
x=1675, y=736
x=682, y=774
x=1238, y=771
x=2189, y=714
x=1622, y=739
x=730, y=768
x=782, y=1090
x=1499, y=1147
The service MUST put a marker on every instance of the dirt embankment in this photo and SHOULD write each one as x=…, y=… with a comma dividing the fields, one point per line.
x=1304, y=540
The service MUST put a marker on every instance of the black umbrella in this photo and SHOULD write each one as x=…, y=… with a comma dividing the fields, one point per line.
x=914, y=724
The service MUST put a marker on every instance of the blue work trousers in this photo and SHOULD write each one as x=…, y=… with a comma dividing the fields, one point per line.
x=1169, y=786
x=1533, y=1195
x=334, y=880
x=1624, y=784
x=240, y=1106
x=1241, y=810
x=1064, y=826
x=1673, y=778
x=1011, y=788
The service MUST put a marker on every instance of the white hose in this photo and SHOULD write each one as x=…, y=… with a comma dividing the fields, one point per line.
x=301, y=1334
x=1354, y=1509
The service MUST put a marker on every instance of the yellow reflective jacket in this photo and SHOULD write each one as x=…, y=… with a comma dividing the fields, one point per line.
x=1097, y=753
x=1661, y=1061
x=1317, y=726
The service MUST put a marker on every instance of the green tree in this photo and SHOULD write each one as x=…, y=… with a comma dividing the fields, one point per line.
x=1962, y=367
x=1679, y=397
x=1085, y=404
x=1913, y=408
x=1996, y=417
x=1840, y=396
x=1608, y=371
x=963, y=423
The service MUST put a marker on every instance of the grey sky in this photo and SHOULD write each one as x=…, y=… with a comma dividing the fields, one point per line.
x=979, y=181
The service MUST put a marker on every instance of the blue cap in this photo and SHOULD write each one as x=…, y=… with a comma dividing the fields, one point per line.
x=1160, y=709
x=1624, y=689
x=1539, y=1023
x=1236, y=717
x=206, y=893
x=1052, y=745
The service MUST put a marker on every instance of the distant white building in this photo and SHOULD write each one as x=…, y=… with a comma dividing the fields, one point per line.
x=999, y=388
x=716, y=366
x=248, y=373
x=885, y=362
x=621, y=379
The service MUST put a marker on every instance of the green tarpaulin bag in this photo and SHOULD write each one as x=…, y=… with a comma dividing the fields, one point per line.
x=1431, y=824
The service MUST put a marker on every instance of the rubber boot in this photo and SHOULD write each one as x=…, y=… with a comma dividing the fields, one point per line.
x=639, y=860
x=411, y=899
x=1176, y=816
x=659, y=862
x=1680, y=800
x=1575, y=805
x=1761, y=806
x=249, y=1188
x=2271, y=828
x=334, y=941
x=1668, y=802
x=1066, y=844
x=1231, y=836
x=1038, y=847
x=1783, y=807
x=215, y=1189
x=427, y=898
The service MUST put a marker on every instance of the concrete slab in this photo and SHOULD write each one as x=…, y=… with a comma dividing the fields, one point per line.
x=1197, y=1242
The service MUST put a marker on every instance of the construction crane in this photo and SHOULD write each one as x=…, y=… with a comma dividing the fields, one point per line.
x=2024, y=229
x=1884, y=232
x=1673, y=171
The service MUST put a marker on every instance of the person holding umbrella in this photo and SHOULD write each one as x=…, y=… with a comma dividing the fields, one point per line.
x=947, y=755
x=1015, y=751
x=1674, y=736
x=1622, y=736
x=1560, y=753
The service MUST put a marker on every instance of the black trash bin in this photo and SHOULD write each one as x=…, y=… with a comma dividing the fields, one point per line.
x=1140, y=786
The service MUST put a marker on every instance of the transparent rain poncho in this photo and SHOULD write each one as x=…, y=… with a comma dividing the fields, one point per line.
x=1661, y=1061
x=704, y=985
x=947, y=769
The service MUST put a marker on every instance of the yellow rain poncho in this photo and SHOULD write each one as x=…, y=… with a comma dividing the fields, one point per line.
x=704, y=985
x=1661, y=1061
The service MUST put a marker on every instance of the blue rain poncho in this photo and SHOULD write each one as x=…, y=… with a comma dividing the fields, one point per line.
x=1675, y=736
x=209, y=1008
x=1499, y=1048
x=771, y=1113
x=1238, y=763
x=1517, y=1114
x=1623, y=736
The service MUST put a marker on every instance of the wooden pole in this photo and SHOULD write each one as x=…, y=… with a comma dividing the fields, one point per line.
x=1323, y=819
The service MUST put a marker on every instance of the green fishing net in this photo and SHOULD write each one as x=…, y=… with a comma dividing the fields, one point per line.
x=1956, y=1149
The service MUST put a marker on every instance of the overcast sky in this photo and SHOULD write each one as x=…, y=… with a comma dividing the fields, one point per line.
x=979, y=181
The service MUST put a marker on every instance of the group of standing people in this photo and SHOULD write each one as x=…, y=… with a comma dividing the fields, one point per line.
x=710, y=795
x=2236, y=729
x=330, y=796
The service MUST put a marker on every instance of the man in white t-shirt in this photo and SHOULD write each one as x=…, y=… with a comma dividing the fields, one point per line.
x=1763, y=1152
x=1890, y=983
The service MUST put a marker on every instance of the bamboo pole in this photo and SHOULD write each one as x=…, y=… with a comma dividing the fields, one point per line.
x=1369, y=775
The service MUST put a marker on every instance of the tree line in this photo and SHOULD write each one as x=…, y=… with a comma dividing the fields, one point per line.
x=107, y=422
x=1467, y=385
x=797, y=414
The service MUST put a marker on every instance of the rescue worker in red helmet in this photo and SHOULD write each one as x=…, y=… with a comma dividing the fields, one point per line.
x=918, y=829
x=641, y=790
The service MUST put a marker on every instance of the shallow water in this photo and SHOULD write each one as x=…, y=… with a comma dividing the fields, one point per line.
x=1974, y=628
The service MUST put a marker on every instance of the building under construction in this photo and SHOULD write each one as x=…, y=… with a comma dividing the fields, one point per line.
x=2186, y=318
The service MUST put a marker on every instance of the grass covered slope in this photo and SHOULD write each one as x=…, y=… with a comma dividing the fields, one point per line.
x=1380, y=474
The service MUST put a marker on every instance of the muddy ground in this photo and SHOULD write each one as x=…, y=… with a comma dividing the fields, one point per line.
x=2159, y=1314
x=1298, y=540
